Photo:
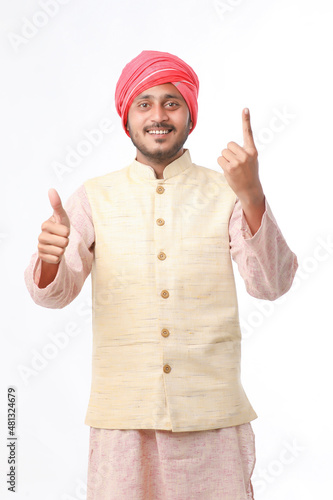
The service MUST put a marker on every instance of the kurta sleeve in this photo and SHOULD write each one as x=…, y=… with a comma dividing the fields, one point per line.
x=76, y=262
x=264, y=260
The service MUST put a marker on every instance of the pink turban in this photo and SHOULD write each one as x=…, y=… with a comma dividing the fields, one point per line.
x=152, y=68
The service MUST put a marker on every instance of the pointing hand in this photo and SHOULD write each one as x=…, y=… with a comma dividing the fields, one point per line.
x=240, y=166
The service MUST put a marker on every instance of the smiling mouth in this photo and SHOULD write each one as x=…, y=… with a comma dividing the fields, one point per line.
x=159, y=131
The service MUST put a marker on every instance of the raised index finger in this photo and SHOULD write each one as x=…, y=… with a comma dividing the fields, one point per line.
x=247, y=130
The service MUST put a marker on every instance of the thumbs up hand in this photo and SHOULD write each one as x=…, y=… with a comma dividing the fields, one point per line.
x=53, y=239
x=59, y=214
x=240, y=166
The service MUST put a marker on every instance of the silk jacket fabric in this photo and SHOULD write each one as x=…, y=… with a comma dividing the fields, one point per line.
x=166, y=348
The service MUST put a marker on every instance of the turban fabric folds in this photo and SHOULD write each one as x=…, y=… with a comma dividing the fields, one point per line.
x=151, y=68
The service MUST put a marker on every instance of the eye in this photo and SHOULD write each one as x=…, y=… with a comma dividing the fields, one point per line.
x=143, y=105
x=171, y=104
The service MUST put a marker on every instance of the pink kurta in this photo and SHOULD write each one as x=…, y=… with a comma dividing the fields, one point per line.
x=152, y=464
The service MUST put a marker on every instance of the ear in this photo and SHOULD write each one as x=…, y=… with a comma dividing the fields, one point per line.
x=191, y=124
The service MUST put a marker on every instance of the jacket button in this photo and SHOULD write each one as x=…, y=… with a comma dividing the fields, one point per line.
x=165, y=332
x=165, y=294
x=160, y=222
x=160, y=189
x=167, y=368
x=161, y=256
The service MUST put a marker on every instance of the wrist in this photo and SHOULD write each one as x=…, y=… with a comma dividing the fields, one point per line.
x=48, y=273
x=254, y=199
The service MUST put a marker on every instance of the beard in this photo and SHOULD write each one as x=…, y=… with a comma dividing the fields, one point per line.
x=160, y=155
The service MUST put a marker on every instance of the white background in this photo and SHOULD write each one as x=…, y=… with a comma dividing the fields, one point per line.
x=58, y=75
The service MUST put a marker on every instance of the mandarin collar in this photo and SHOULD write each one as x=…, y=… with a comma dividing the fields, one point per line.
x=141, y=171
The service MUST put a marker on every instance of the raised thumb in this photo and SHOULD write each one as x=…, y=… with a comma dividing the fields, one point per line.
x=59, y=212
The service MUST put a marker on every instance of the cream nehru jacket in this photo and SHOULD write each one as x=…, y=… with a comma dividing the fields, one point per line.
x=166, y=335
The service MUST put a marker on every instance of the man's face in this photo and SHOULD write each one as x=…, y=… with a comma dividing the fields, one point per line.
x=159, y=124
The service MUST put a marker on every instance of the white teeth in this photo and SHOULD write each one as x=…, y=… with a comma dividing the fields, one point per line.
x=159, y=132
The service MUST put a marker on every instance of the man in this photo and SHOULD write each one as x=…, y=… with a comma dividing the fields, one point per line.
x=168, y=415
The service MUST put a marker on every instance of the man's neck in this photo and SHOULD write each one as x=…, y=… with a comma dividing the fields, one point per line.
x=158, y=165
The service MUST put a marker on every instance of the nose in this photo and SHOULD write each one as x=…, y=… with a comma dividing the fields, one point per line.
x=159, y=113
